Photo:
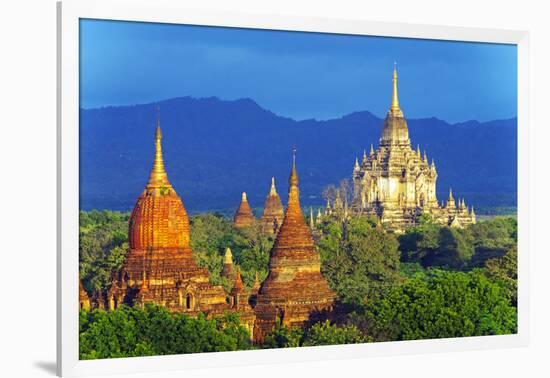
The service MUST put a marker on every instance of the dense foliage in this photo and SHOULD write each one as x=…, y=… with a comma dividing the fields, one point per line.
x=211, y=234
x=359, y=259
x=430, y=282
x=103, y=246
x=129, y=332
x=439, y=304
x=323, y=333
x=432, y=245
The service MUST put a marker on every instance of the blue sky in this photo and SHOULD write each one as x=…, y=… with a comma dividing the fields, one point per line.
x=294, y=74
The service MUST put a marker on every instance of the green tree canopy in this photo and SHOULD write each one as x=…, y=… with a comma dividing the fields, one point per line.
x=131, y=331
x=359, y=259
x=322, y=333
x=442, y=304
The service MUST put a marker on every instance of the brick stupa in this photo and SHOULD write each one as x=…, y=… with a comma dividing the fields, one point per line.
x=273, y=211
x=295, y=292
x=244, y=218
x=160, y=267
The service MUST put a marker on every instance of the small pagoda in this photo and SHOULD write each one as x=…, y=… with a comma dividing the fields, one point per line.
x=227, y=269
x=295, y=292
x=244, y=218
x=273, y=211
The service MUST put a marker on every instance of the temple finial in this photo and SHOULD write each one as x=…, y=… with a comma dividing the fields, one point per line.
x=158, y=176
x=273, y=190
x=243, y=198
x=395, y=99
x=293, y=179
x=371, y=149
x=228, y=256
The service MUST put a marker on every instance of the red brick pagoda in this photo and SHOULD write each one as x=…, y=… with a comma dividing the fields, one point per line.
x=160, y=267
x=295, y=292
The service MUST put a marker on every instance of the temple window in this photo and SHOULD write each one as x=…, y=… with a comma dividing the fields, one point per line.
x=189, y=301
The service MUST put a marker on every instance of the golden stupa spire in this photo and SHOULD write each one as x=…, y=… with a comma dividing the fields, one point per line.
x=293, y=179
x=273, y=190
x=395, y=109
x=395, y=99
x=228, y=257
x=158, y=177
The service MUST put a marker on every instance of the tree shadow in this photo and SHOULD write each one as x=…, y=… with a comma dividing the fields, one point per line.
x=47, y=366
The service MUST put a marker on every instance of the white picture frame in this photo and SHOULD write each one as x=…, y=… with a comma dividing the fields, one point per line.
x=69, y=13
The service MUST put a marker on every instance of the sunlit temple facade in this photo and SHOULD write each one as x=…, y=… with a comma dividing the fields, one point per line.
x=398, y=184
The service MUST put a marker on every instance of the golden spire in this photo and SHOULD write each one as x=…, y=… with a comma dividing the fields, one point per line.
x=158, y=177
x=293, y=179
x=228, y=257
x=395, y=110
x=395, y=99
x=273, y=191
x=243, y=198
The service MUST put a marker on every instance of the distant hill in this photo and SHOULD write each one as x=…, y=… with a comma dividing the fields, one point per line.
x=215, y=149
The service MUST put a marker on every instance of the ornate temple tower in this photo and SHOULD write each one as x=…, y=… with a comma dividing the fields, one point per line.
x=294, y=292
x=273, y=211
x=396, y=183
x=160, y=267
x=244, y=217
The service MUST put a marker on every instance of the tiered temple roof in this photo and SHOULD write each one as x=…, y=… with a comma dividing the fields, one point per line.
x=244, y=217
x=295, y=292
x=273, y=211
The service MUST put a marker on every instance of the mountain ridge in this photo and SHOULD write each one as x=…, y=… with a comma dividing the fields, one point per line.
x=215, y=149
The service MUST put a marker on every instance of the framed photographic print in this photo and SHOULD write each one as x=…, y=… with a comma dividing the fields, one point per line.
x=252, y=187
